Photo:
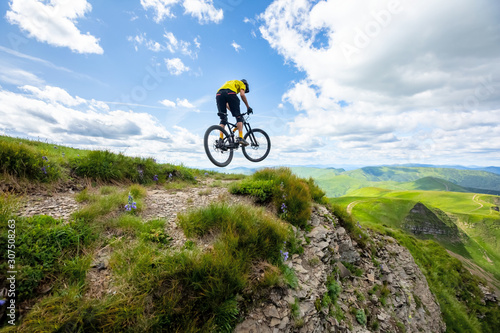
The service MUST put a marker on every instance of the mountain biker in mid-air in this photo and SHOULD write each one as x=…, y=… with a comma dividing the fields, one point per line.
x=227, y=98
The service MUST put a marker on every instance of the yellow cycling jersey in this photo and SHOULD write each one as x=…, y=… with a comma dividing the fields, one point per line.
x=234, y=85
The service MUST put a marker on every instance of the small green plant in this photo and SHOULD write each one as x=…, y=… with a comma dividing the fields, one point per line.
x=401, y=327
x=189, y=245
x=359, y=295
x=157, y=236
x=314, y=261
x=353, y=269
x=361, y=316
x=205, y=192
x=333, y=288
x=272, y=276
x=384, y=292
x=289, y=276
x=295, y=309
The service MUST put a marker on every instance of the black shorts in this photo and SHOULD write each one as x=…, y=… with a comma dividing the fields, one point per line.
x=231, y=98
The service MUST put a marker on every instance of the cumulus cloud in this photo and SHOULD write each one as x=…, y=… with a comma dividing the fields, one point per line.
x=389, y=77
x=175, y=66
x=167, y=103
x=54, y=95
x=53, y=113
x=54, y=23
x=184, y=103
x=203, y=10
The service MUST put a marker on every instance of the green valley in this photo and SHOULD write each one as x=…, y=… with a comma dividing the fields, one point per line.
x=474, y=215
x=337, y=182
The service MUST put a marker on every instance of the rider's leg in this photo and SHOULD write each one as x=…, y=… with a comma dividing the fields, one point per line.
x=239, y=125
x=222, y=134
x=221, y=108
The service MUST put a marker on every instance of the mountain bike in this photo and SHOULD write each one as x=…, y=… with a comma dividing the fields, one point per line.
x=220, y=148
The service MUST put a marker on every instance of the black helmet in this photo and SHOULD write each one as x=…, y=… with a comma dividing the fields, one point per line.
x=247, y=87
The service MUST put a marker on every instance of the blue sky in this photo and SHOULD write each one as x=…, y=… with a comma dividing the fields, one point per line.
x=333, y=82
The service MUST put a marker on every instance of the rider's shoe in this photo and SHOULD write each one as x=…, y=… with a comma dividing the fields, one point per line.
x=220, y=144
x=242, y=141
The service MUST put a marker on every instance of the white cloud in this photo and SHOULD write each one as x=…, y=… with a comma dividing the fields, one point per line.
x=175, y=66
x=236, y=46
x=174, y=45
x=203, y=10
x=388, y=77
x=54, y=23
x=167, y=103
x=161, y=7
x=149, y=43
x=171, y=44
x=54, y=114
x=18, y=76
x=54, y=95
x=197, y=42
x=184, y=103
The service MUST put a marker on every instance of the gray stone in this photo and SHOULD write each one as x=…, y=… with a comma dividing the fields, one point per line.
x=272, y=312
x=318, y=233
x=284, y=322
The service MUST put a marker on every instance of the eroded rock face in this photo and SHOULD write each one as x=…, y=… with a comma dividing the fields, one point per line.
x=421, y=220
x=387, y=286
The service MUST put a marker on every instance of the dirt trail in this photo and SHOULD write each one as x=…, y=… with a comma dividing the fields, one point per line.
x=159, y=203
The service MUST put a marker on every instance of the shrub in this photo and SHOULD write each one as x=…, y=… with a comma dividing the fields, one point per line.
x=333, y=289
x=291, y=195
x=23, y=161
x=361, y=317
x=108, y=166
x=261, y=189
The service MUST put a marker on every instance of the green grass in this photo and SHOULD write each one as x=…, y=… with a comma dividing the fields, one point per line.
x=290, y=195
x=45, y=248
x=47, y=163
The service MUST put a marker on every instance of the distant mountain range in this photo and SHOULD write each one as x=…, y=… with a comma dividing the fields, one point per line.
x=338, y=182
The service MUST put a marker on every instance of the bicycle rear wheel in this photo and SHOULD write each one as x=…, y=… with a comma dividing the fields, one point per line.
x=259, y=145
x=219, y=151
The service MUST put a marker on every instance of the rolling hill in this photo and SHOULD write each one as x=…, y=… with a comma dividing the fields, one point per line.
x=337, y=183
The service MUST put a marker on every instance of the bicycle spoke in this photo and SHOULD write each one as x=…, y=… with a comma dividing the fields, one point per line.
x=216, y=148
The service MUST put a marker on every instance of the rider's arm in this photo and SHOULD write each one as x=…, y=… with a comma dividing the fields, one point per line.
x=227, y=106
x=244, y=98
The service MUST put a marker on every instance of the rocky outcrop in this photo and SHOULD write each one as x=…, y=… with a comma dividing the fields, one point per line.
x=421, y=220
x=381, y=290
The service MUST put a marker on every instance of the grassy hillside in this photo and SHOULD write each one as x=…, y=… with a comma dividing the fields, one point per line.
x=336, y=183
x=473, y=214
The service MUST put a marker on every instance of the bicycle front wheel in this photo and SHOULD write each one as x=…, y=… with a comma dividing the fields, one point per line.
x=259, y=145
x=219, y=150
